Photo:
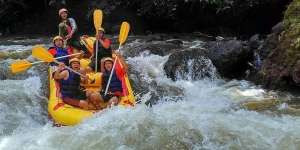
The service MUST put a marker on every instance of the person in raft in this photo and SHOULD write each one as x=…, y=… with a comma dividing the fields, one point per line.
x=58, y=51
x=70, y=88
x=68, y=31
x=104, y=49
x=115, y=90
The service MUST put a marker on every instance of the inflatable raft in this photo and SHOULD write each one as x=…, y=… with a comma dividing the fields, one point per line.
x=64, y=114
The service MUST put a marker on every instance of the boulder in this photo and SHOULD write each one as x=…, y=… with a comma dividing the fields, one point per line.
x=190, y=64
x=230, y=57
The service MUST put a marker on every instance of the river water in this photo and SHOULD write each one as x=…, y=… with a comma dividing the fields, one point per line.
x=207, y=116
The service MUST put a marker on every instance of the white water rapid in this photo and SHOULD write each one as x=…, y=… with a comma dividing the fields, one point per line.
x=205, y=117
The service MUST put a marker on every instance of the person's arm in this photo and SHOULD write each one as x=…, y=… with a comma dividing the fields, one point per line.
x=102, y=66
x=73, y=25
x=84, y=79
x=60, y=31
x=121, y=58
x=59, y=74
x=105, y=43
x=94, y=49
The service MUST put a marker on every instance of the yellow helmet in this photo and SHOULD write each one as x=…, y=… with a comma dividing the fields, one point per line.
x=107, y=59
x=74, y=60
x=101, y=29
x=57, y=38
x=84, y=63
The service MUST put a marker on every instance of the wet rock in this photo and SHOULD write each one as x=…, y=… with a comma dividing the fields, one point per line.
x=290, y=107
x=261, y=105
x=175, y=41
x=268, y=45
x=280, y=66
x=254, y=42
x=151, y=91
x=190, y=64
x=296, y=73
x=230, y=57
x=278, y=28
x=14, y=54
x=158, y=48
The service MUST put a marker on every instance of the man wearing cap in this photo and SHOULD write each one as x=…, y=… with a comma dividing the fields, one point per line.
x=104, y=48
x=70, y=89
x=115, y=89
x=68, y=30
x=58, y=51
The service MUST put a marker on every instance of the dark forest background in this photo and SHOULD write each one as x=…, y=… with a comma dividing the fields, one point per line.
x=241, y=18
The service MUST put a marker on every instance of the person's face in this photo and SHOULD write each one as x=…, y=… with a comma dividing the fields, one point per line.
x=58, y=43
x=64, y=15
x=100, y=35
x=108, y=65
x=75, y=65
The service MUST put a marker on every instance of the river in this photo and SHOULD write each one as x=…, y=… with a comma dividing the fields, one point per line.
x=206, y=115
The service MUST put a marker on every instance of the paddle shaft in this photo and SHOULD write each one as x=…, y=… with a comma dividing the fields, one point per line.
x=96, y=60
x=111, y=73
x=56, y=58
x=71, y=69
x=68, y=55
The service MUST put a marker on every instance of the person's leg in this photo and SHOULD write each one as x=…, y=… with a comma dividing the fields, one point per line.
x=84, y=104
x=75, y=43
x=96, y=98
x=62, y=29
x=76, y=102
x=83, y=99
x=113, y=101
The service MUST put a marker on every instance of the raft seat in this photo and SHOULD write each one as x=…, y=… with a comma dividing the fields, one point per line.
x=95, y=82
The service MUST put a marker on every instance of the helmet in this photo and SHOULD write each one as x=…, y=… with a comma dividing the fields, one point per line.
x=74, y=60
x=107, y=59
x=84, y=63
x=101, y=29
x=57, y=38
x=62, y=10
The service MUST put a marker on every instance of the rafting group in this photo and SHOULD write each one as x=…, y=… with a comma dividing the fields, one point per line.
x=70, y=81
x=85, y=74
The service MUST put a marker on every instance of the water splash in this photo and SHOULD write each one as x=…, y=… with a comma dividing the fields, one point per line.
x=203, y=119
x=20, y=105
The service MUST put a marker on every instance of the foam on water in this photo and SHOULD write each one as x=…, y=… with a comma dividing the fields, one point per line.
x=20, y=105
x=15, y=47
x=204, y=119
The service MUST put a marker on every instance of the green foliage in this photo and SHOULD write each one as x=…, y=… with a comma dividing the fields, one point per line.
x=169, y=8
x=292, y=15
x=292, y=33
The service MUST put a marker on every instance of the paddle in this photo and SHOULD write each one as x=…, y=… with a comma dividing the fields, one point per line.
x=98, y=15
x=42, y=54
x=22, y=65
x=125, y=27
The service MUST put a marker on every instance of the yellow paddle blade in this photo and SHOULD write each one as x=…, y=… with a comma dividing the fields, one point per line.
x=20, y=66
x=41, y=53
x=125, y=27
x=97, y=19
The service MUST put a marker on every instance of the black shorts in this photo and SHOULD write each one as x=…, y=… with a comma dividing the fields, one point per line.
x=75, y=42
x=106, y=97
x=79, y=95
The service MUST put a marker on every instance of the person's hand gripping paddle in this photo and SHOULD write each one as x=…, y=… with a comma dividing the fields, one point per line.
x=125, y=27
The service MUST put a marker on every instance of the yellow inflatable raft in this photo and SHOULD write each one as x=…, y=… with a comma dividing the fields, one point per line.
x=64, y=114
